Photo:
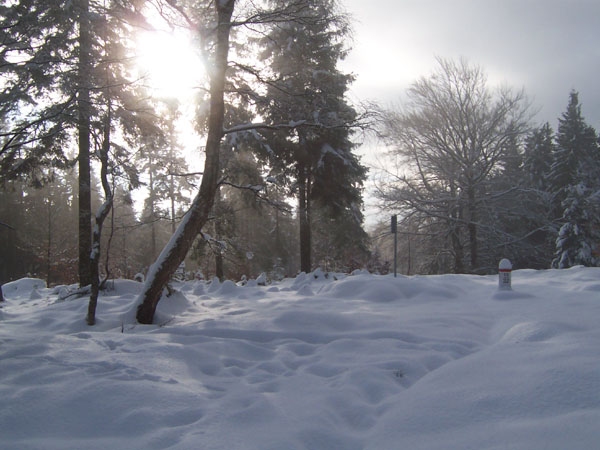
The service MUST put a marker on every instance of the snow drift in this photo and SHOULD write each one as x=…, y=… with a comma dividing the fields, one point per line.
x=315, y=362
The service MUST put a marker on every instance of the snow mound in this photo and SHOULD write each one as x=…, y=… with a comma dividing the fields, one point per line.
x=388, y=289
x=198, y=288
x=123, y=287
x=35, y=295
x=170, y=306
x=227, y=288
x=214, y=285
x=535, y=332
x=22, y=288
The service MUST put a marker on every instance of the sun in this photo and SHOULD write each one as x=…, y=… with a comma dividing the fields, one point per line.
x=170, y=63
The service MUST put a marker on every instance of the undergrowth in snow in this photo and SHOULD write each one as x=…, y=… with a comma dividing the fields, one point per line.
x=321, y=361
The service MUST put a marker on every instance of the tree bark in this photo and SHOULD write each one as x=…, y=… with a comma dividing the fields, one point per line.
x=304, y=219
x=100, y=218
x=152, y=208
x=83, y=106
x=172, y=195
x=454, y=222
x=49, y=248
x=179, y=244
x=472, y=227
x=219, y=269
x=459, y=266
x=457, y=246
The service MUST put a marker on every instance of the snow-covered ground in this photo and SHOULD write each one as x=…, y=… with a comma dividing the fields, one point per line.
x=361, y=362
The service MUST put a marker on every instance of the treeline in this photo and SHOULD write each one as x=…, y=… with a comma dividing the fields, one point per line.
x=474, y=183
x=247, y=235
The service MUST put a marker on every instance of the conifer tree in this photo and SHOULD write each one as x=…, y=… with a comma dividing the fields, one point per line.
x=317, y=162
x=578, y=237
x=55, y=55
x=532, y=203
x=576, y=153
x=575, y=177
x=537, y=160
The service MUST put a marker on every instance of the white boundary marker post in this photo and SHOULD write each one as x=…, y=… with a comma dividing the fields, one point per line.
x=504, y=275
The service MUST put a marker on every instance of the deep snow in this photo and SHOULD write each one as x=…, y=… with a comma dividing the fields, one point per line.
x=361, y=362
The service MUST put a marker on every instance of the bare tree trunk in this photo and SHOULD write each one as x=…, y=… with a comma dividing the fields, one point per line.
x=219, y=270
x=172, y=195
x=100, y=217
x=454, y=222
x=49, y=248
x=472, y=227
x=457, y=250
x=408, y=265
x=83, y=105
x=457, y=246
x=112, y=230
x=179, y=244
x=304, y=219
x=152, y=206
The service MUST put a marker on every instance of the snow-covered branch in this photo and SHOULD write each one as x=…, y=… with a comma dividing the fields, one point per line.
x=287, y=126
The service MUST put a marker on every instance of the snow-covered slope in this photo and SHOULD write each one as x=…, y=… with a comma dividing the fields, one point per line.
x=361, y=362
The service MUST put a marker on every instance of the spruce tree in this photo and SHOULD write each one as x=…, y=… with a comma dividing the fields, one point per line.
x=579, y=235
x=316, y=162
x=59, y=56
x=539, y=150
x=576, y=153
x=575, y=177
x=532, y=204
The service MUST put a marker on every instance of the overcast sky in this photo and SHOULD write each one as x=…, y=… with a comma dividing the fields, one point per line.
x=549, y=47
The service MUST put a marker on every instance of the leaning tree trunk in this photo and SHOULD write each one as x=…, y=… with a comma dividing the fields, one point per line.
x=83, y=106
x=100, y=218
x=179, y=244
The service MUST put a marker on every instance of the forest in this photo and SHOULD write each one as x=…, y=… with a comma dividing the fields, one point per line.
x=469, y=173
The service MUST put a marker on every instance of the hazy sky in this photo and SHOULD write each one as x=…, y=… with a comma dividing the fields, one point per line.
x=549, y=47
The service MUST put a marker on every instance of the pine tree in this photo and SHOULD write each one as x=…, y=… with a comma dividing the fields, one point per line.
x=340, y=242
x=166, y=178
x=575, y=177
x=57, y=56
x=576, y=152
x=316, y=162
x=577, y=241
x=532, y=203
x=37, y=41
x=537, y=160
